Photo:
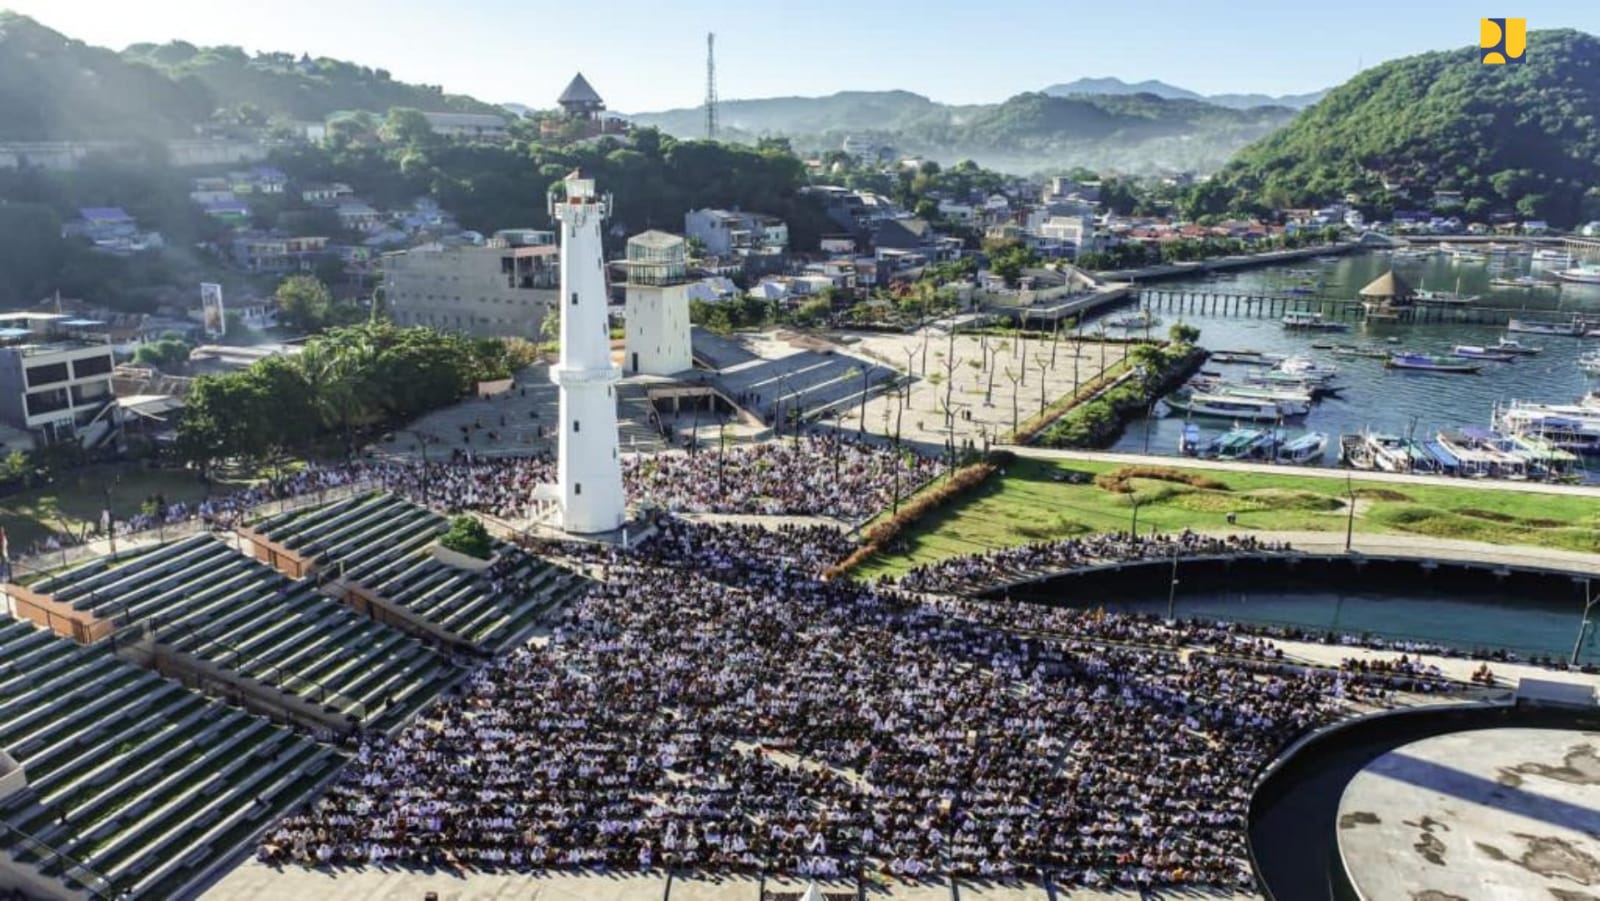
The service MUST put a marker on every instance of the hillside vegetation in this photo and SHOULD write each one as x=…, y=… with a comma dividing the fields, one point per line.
x=55, y=88
x=1515, y=138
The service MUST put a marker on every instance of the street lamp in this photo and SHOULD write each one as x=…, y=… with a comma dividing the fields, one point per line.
x=1589, y=600
x=1172, y=588
x=1350, y=521
x=1133, y=527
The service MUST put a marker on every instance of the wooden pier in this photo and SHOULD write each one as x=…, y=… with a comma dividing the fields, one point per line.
x=1274, y=306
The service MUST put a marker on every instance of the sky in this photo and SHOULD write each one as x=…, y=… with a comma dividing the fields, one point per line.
x=648, y=55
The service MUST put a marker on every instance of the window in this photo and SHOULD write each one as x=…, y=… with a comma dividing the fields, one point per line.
x=46, y=374
x=577, y=487
x=574, y=298
x=575, y=425
x=91, y=366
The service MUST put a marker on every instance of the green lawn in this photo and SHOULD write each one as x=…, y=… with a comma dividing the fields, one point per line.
x=1030, y=504
x=74, y=500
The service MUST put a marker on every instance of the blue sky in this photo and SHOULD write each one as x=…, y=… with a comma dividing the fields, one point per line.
x=650, y=54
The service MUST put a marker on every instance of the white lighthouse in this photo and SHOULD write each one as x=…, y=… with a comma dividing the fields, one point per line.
x=588, y=464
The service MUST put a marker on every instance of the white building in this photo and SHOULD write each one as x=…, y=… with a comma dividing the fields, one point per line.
x=588, y=464
x=657, y=306
x=481, y=126
x=731, y=233
x=502, y=289
x=55, y=378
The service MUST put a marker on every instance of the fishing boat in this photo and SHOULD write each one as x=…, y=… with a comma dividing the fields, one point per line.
x=1307, y=321
x=1315, y=386
x=1246, y=357
x=1304, y=449
x=1243, y=443
x=1524, y=282
x=1544, y=458
x=1290, y=396
x=1388, y=453
x=1479, y=352
x=1139, y=320
x=1482, y=454
x=1421, y=362
x=1570, y=428
x=1228, y=406
x=1574, y=328
x=1189, y=441
x=1548, y=255
x=1351, y=350
x=1307, y=368
x=1440, y=298
x=1585, y=274
x=1513, y=346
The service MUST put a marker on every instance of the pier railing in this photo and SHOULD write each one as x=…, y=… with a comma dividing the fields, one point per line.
x=1338, y=309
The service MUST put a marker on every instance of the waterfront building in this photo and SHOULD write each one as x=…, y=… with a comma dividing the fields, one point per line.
x=1387, y=297
x=55, y=378
x=503, y=288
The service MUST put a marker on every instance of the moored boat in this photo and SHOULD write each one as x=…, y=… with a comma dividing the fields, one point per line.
x=1513, y=346
x=1421, y=362
x=1229, y=406
x=1479, y=352
x=1246, y=357
x=1574, y=328
x=1303, y=449
x=1308, y=321
x=1584, y=274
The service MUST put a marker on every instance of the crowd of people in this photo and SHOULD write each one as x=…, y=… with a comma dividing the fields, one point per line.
x=820, y=475
x=712, y=704
x=994, y=568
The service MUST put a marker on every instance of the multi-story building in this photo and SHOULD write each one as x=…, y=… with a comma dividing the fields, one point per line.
x=732, y=233
x=55, y=378
x=502, y=288
x=477, y=126
x=271, y=253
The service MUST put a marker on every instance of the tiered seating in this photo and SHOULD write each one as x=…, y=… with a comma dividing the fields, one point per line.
x=136, y=778
x=380, y=541
x=204, y=599
x=814, y=382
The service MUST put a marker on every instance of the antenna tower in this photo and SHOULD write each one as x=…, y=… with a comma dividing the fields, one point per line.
x=711, y=86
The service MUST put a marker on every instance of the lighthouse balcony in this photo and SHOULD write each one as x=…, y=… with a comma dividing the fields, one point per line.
x=569, y=377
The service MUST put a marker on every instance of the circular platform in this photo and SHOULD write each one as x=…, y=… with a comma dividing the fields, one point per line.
x=1503, y=814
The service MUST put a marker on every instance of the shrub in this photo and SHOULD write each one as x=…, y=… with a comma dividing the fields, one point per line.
x=468, y=536
x=1118, y=480
x=882, y=534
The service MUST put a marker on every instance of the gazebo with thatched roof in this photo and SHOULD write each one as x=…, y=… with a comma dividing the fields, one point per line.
x=1386, y=295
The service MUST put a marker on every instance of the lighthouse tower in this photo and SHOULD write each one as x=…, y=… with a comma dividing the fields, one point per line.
x=588, y=465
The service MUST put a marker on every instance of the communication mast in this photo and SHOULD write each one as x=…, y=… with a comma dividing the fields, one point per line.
x=711, y=86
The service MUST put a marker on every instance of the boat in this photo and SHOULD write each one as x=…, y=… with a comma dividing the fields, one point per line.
x=1307, y=368
x=1421, y=362
x=1301, y=291
x=1326, y=258
x=1351, y=350
x=1388, y=453
x=1585, y=274
x=1303, y=273
x=1189, y=442
x=1455, y=297
x=1260, y=392
x=1246, y=357
x=1572, y=428
x=1525, y=282
x=1547, y=255
x=1590, y=363
x=1483, y=454
x=1242, y=443
x=1315, y=386
x=1513, y=346
x=1141, y=319
x=1575, y=328
x=1303, y=449
x=1479, y=352
x=1227, y=406
x=1305, y=320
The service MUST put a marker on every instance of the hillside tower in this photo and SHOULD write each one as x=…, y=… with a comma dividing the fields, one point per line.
x=589, y=467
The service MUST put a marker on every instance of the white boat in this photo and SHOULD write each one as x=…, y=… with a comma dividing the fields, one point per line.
x=1590, y=363
x=1513, y=346
x=1424, y=295
x=1141, y=319
x=1307, y=321
x=1585, y=274
x=1547, y=255
x=1304, y=449
x=1526, y=282
x=1574, y=328
x=1306, y=367
x=1230, y=406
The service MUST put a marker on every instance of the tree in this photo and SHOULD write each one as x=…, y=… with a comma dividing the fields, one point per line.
x=162, y=354
x=1183, y=333
x=407, y=126
x=468, y=536
x=303, y=303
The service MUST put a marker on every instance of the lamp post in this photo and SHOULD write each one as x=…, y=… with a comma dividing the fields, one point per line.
x=1350, y=521
x=1172, y=588
x=1133, y=527
x=1589, y=600
x=722, y=452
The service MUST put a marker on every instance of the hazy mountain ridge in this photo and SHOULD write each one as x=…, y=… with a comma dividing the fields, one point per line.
x=1116, y=86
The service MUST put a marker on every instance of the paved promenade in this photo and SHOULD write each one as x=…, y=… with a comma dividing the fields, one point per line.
x=1315, y=472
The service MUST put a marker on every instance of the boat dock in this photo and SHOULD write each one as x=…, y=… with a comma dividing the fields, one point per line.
x=1340, y=309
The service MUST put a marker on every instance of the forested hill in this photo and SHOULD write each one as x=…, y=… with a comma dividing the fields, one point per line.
x=53, y=88
x=1522, y=139
x=1024, y=133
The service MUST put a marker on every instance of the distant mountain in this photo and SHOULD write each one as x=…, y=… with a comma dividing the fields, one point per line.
x=1116, y=87
x=1521, y=139
x=53, y=87
x=1026, y=133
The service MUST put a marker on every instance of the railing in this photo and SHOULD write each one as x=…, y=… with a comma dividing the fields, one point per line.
x=71, y=870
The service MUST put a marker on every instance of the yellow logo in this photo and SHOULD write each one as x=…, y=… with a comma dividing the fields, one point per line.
x=1502, y=41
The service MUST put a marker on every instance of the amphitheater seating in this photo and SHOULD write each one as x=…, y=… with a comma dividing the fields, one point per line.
x=138, y=779
x=381, y=542
x=205, y=599
x=817, y=383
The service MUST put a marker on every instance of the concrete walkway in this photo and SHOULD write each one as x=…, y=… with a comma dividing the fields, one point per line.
x=1315, y=472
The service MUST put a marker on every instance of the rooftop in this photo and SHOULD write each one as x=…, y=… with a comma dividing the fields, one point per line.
x=579, y=92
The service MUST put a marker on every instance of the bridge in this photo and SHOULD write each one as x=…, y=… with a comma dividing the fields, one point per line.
x=1344, y=307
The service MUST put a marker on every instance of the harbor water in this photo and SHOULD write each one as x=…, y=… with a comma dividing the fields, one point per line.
x=1401, y=402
